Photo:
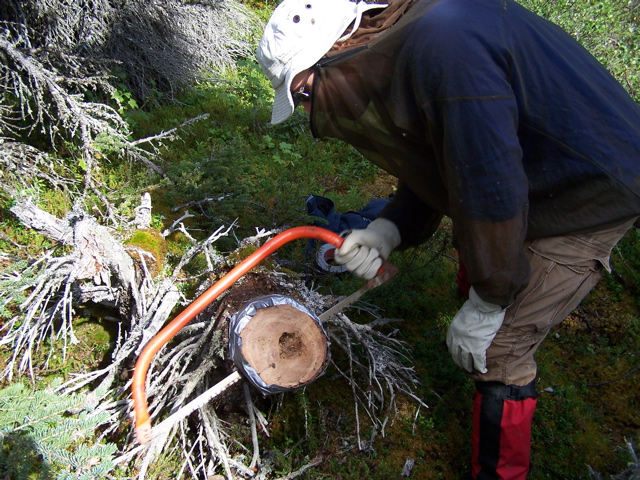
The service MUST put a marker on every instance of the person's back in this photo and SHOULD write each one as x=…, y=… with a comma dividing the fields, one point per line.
x=507, y=100
x=578, y=129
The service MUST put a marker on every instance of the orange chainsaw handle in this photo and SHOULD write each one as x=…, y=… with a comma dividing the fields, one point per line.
x=140, y=407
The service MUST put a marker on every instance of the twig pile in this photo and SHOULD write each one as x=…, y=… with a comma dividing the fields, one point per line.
x=217, y=434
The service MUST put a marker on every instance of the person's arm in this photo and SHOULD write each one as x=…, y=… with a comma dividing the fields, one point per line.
x=415, y=220
x=405, y=221
x=473, y=119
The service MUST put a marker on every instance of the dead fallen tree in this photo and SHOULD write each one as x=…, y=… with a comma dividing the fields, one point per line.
x=161, y=46
x=63, y=111
x=632, y=471
x=197, y=360
x=221, y=435
x=99, y=269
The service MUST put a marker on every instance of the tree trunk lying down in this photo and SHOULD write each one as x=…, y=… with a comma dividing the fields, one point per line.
x=98, y=257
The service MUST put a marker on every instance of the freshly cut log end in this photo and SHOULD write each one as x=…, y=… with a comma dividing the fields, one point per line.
x=285, y=346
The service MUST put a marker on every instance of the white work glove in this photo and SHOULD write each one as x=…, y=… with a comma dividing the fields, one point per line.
x=472, y=331
x=363, y=250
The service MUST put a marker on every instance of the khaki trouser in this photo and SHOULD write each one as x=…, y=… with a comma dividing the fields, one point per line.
x=563, y=271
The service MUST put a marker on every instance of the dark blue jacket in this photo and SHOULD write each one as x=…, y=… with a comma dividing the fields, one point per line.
x=494, y=117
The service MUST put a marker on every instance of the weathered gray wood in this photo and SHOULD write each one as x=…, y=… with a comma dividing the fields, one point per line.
x=45, y=223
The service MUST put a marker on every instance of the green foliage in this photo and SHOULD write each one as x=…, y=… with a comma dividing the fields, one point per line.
x=625, y=261
x=106, y=145
x=44, y=436
x=124, y=99
x=15, y=282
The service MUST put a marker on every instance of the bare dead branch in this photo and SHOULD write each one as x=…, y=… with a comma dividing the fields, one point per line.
x=313, y=463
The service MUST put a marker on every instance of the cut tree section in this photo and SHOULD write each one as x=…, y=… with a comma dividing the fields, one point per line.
x=285, y=346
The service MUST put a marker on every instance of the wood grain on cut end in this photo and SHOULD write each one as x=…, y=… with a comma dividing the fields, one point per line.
x=285, y=346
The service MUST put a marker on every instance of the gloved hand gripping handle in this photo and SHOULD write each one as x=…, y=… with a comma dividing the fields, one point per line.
x=364, y=249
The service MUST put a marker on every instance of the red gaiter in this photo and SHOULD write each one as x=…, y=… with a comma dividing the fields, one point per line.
x=501, y=437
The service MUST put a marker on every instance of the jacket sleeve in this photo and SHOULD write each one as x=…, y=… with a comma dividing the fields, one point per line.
x=473, y=121
x=488, y=192
x=416, y=220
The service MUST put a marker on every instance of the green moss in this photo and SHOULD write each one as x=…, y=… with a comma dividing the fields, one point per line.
x=241, y=254
x=150, y=241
